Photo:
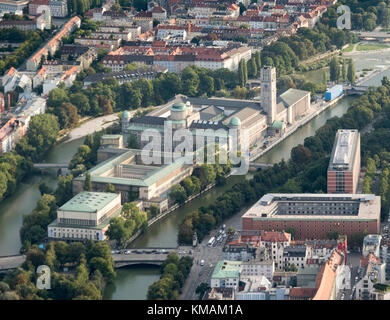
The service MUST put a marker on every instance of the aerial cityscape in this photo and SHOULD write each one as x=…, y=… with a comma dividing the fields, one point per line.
x=194, y=150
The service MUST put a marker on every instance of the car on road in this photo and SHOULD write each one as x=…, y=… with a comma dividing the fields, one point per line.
x=201, y=263
x=356, y=278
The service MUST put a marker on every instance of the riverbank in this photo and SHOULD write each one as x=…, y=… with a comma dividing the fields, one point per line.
x=317, y=109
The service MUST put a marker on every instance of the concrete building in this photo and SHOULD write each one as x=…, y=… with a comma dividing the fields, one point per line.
x=295, y=256
x=312, y=216
x=258, y=269
x=131, y=177
x=13, y=6
x=373, y=271
x=58, y=9
x=85, y=216
x=344, y=165
x=226, y=274
x=371, y=244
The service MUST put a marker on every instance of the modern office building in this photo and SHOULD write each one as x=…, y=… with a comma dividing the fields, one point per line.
x=133, y=178
x=312, y=216
x=85, y=216
x=344, y=165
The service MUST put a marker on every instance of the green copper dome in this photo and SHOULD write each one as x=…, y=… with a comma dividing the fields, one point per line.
x=235, y=122
x=179, y=106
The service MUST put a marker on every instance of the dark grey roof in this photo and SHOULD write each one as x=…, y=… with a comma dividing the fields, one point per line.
x=148, y=120
x=294, y=251
x=215, y=125
x=209, y=112
x=227, y=103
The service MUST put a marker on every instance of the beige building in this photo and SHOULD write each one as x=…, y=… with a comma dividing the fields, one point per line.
x=85, y=216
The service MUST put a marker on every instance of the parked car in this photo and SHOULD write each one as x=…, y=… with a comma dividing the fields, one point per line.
x=201, y=263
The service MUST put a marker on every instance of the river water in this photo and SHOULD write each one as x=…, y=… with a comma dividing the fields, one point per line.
x=132, y=282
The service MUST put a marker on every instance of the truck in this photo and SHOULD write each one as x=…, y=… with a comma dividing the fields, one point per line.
x=333, y=92
x=211, y=241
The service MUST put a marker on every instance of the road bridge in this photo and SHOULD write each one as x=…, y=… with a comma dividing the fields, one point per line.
x=127, y=257
x=152, y=256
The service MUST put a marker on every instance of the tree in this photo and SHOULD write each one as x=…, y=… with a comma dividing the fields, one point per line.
x=110, y=188
x=351, y=72
x=178, y=194
x=201, y=289
x=88, y=182
x=81, y=102
x=252, y=67
x=190, y=82
x=334, y=69
x=42, y=133
x=300, y=154
x=242, y=73
x=44, y=189
x=344, y=71
x=132, y=142
x=105, y=104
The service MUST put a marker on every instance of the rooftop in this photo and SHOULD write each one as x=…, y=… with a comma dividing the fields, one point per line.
x=89, y=201
x=344, y=148
x=309, y=206
x=227, y=269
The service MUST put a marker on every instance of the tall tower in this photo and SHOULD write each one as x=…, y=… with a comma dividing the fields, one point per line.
x=268, y=92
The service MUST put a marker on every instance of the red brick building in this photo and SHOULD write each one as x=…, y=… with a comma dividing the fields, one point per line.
x=313, y=216
x=344, y=165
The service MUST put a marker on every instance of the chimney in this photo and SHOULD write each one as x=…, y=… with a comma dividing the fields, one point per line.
x=9, y=102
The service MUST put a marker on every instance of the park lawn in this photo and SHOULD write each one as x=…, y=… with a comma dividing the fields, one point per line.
x=367, y=47
x=349, y=48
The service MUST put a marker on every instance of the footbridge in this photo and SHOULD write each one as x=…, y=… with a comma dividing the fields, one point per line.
x=358, y=89
x=43, y=166
x=8, y=263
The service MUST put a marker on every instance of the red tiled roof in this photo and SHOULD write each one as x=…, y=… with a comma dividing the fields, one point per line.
x=302, y=293
x=274, y=236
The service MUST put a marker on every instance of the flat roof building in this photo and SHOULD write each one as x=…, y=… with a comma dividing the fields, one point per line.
x=344, y=165
x=85, y=216
x=312, y=216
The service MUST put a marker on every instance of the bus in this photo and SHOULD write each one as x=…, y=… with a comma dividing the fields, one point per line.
x=211, y=241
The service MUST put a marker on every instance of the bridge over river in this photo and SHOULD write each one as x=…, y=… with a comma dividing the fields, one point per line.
x=127, y=257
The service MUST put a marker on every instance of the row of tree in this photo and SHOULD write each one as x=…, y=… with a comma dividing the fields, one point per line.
x=174, y=272
x=31, y=42
x=342, y=72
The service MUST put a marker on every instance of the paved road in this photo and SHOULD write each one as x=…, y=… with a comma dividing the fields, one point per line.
x=91, y=126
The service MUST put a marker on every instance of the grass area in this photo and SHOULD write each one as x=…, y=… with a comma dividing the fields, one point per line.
x=368, y=47
x=349, y=48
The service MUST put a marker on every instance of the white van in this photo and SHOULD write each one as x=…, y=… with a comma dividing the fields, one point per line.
x=201, y=263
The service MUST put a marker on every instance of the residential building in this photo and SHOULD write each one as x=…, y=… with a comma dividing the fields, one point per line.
x=313, y=216
x=371, y=244
x=295, y=256
x=59, y=8
x=373, y=271
x=85, y=216
x=36, y=7
x=344, y=165
x=13, y=6
x=226, y=274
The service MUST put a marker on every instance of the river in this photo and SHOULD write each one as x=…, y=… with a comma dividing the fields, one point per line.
x=132, y=282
